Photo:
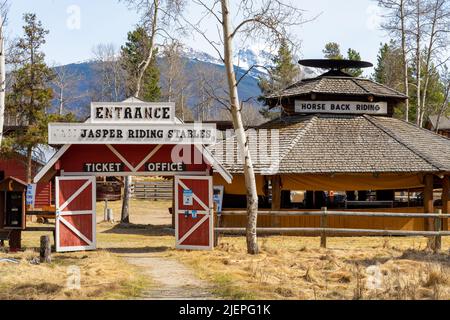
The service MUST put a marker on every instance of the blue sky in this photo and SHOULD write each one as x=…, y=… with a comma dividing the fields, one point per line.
x=352, y=23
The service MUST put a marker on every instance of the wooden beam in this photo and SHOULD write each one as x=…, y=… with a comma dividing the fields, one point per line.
x=428, y=206
x=276, y=199
x=445, y=200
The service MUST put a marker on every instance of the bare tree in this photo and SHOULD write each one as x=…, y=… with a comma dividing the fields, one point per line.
x=251, y=115
x=437, y=31
x=156, y=16
x=444, y=107
x=175, y=82
x=264, y=20
x=111, y=78
x=209, y=90
x=396, y=26
x=65, y=82
x=3, y=15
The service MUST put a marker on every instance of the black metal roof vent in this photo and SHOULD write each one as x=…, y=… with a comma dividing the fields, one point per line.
x=336, y=67
x=335, y=64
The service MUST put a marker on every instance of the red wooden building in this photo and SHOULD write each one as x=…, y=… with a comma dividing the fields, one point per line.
x=15, y=167
x=131, y=138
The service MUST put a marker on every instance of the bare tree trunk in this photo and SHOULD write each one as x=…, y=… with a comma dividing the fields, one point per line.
x=2, y=80
x=431, y=46
x=61, y=101
x=182, y=104
x=125, y=216
x=250, y=182
x=29, y=164
x=147, y=62
x=142, y=69
x=405, y=58
x=418, y=64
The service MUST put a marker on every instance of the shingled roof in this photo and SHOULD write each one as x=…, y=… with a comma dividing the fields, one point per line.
x=331, y=144
x=329, y=84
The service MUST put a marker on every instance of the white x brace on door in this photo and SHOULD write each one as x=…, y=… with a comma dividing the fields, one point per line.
x=75, y=213
x=194, y=227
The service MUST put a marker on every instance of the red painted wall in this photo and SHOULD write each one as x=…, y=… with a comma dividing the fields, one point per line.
x=16, y=168
x=76, y=156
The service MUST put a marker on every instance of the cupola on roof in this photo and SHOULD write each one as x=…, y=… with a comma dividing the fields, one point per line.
x=336, y=84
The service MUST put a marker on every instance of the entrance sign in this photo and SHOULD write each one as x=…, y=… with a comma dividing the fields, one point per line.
x=193, y=209
x=120, y=133
x=341, y=107
x=127, y=112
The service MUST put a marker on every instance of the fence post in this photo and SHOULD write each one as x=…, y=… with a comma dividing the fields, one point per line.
x=437, y=245
x=216, y=224
x=323, y=225
x=45, y=250
x=105, y=211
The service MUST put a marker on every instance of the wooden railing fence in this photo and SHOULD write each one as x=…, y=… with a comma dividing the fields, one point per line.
x=152, y=190
x=323, y=231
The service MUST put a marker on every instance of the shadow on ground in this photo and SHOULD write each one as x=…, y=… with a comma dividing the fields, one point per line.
x=141, y=229
x=138, y=250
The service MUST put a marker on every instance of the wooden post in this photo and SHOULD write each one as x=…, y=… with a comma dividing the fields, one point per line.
x=323, y=224
x=437, y=243
x=445, y=200
x=105, y=212
x=276, y=199
x=15, y=240
x=45, y=251
x=216, y=224
x=174, y=216
x=428, y=201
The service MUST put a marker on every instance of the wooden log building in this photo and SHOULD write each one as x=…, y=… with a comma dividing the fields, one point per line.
x=338, y=145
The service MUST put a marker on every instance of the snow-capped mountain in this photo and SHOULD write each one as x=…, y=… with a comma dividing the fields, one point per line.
x=201, y=56
x=244, y=59
x=257, y=56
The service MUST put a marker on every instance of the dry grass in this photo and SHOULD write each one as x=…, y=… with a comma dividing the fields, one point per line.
x=295, y=267
x=102, y=276
x=286, y=268
x=352, y=268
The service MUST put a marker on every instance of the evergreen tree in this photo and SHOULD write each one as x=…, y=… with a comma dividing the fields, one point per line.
x=332, y=51
x=354, y=55
x=282, y=74
x=30, y=94
x=133, y=53
x=388, y=70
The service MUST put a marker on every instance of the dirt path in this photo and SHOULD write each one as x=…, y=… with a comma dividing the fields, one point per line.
x=170, y=279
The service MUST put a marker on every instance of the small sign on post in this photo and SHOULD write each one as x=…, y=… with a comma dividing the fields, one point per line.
x=188, y=197
x=31, y=194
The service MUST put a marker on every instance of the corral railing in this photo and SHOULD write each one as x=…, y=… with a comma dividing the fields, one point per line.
x=436, y=221
x=152, y=190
